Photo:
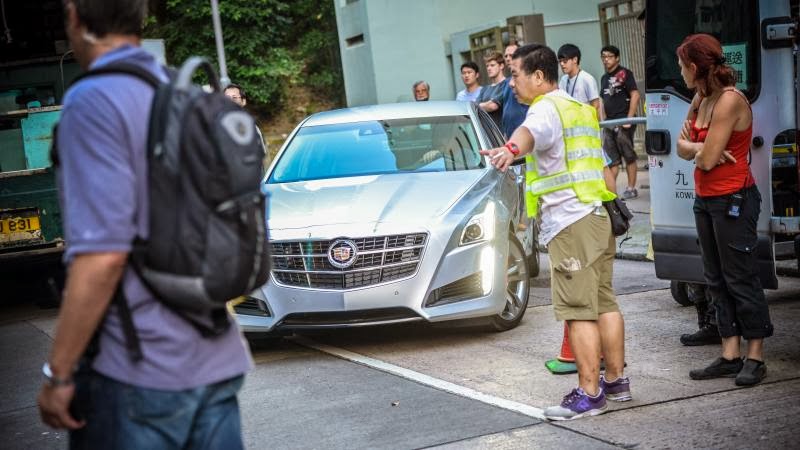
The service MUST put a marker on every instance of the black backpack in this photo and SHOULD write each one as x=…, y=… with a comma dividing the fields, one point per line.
x=208, y=237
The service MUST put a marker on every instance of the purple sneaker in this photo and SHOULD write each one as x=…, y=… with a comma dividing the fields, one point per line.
x=577, y=404
x=618, y=390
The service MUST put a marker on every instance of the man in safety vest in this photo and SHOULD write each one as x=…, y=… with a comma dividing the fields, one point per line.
x=560, y=139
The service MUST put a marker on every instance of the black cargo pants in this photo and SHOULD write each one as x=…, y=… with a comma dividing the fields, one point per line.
x=728, y=247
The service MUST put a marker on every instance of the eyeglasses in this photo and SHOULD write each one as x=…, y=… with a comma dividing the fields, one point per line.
x=604, y=56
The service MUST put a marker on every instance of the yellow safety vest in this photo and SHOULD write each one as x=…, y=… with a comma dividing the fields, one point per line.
x=583, y=152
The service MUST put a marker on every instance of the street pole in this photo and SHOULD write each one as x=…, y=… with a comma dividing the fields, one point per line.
x=224, y=81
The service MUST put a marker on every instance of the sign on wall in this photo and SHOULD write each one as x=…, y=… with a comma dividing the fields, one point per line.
x=736, y=57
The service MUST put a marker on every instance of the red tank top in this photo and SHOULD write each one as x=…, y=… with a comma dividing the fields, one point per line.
x=729, y=177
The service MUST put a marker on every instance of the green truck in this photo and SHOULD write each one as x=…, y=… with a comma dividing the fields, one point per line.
x=30, y=218
x=36, y=69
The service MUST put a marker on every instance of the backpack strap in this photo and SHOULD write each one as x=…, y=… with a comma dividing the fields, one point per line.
x=132, y=341
x=122, y=68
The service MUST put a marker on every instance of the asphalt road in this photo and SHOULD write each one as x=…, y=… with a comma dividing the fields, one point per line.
x=417, y=386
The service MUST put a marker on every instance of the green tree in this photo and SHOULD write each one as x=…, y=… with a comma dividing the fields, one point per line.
x=270, y=45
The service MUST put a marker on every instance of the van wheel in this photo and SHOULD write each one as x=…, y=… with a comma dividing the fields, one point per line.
x=680, y=292
x=517, y=290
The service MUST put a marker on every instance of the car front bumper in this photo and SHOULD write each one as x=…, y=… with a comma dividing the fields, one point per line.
x=443, y=265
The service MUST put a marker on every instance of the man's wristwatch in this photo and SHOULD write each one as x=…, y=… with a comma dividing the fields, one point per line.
x=52, y=380
x=513, y=148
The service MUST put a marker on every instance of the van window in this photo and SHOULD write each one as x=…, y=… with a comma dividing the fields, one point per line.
x=733, y=22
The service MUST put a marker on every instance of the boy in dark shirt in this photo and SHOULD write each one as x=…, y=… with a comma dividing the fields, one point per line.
x=620, y=99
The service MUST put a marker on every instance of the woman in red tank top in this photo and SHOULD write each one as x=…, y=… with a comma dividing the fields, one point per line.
x=716, y=136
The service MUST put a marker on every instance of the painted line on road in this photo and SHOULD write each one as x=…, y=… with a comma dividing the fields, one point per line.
x=421, y=378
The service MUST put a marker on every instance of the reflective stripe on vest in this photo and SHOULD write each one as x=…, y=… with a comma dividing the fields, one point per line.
x=562, y=181
x=582, y=132
x=585, y=153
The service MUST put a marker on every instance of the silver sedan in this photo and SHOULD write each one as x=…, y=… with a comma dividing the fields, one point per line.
x=387, y=214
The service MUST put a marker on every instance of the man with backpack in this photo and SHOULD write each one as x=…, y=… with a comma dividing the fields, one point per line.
x=122, y=360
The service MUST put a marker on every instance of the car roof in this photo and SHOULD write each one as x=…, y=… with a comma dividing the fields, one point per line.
x=390, y=111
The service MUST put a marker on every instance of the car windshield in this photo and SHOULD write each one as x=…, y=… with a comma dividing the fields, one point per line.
x=431, y=144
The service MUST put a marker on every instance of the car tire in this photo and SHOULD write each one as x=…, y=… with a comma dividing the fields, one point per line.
x=533, y=263
x=680, y=292
x=517, y=290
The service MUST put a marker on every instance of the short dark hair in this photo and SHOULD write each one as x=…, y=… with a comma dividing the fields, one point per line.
x=470, y=65
x=611, y=49
x=538, y=57
x=569, y=51
x=103, y=17
x=236, y=86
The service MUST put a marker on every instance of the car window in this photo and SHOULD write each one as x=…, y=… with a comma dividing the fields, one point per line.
x=433, y=144
x=490, y=129
x=733, y=22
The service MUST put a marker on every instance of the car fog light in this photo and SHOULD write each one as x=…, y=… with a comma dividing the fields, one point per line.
x=487, y=269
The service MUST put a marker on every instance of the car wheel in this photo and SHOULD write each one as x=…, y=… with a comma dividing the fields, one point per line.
x=533, y=263
x=517, y=288
x=680, y=292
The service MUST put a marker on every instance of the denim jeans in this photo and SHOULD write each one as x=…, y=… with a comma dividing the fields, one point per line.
x=730, y=266
x=121, y=416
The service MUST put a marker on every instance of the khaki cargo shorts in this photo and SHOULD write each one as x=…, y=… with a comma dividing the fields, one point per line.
x=582, y=262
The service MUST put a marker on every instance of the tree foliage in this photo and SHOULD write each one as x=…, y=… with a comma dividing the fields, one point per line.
x=269, y=44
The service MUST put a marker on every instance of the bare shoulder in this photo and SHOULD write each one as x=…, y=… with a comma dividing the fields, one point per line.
x=734, y=104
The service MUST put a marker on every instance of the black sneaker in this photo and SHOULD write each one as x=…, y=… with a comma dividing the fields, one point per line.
x=720, y=368
x=708, y=335
x=753, y=371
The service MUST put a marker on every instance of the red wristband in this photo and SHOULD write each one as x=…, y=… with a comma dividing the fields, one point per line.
x=512, y=147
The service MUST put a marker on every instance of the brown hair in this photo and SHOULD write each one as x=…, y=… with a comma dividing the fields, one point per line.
x=705, y=52
x=494, y=56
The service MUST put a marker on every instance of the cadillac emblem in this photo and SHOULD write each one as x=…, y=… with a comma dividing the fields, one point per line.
x=342, y=253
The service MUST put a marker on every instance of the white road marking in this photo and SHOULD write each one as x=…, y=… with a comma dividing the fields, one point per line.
x=421, y=378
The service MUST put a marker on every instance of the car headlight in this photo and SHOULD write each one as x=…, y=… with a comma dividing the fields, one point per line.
x=480, y=227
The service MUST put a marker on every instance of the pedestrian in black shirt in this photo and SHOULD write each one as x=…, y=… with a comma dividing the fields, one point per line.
x=620, y=99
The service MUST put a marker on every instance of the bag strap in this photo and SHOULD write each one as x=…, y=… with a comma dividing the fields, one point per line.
x=124, y=69
x=132, y=342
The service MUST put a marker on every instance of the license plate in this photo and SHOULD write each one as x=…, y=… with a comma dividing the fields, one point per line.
x=19, y=225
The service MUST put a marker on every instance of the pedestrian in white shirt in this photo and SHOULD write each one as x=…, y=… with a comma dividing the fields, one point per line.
x=578, y=83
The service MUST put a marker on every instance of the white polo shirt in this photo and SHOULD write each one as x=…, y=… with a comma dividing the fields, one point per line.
x=562, y=208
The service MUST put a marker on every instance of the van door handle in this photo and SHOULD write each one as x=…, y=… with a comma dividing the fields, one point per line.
x=657, y=142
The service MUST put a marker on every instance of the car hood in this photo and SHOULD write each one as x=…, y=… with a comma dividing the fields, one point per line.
x=397, y=198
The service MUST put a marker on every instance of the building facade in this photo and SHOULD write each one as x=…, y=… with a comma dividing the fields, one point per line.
x=387, y=45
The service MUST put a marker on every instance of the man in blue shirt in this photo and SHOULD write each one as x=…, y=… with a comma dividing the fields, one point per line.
x=102, y=147
x=470, y=74
x=514, y=112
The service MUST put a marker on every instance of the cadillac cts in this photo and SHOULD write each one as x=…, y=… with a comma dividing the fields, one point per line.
x=387, y=214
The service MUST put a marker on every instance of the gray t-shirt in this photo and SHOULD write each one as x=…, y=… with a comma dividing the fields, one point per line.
x=102, y=139
x=582, y=87
x=493, y=92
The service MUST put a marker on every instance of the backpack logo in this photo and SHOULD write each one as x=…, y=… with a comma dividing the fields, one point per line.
x=239, y=126
x=342, y=253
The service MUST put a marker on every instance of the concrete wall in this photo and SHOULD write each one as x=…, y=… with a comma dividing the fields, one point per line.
x=408, y=40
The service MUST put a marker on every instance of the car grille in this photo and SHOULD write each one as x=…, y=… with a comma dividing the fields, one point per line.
x=347, y=318
x=379, y=259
